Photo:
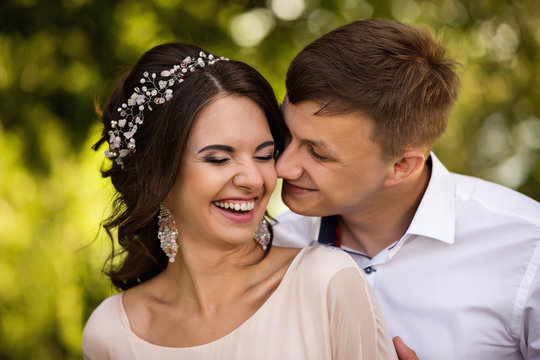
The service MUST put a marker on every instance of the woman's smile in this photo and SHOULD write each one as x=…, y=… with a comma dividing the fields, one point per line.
x=236, y=209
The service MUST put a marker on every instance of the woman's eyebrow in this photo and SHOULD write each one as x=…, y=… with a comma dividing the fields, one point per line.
x=230, y=149
x=265, y=144
x=226, y=148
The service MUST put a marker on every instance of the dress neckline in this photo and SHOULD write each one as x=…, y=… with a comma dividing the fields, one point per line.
x=125, y=320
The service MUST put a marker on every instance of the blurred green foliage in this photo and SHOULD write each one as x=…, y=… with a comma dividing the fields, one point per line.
x=57, y=58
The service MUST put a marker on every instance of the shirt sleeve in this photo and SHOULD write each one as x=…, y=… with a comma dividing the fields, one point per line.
x=358, y=329
x=530, y=328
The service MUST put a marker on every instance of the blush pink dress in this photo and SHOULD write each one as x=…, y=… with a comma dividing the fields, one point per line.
x=323, y=309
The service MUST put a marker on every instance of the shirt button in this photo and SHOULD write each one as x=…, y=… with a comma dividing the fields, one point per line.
x=369, y=270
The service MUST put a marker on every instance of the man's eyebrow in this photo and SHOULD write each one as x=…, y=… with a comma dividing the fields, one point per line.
x=226, y=148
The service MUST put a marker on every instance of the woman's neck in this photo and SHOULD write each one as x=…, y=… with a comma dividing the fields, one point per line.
x=198, y=299
x=211, y=276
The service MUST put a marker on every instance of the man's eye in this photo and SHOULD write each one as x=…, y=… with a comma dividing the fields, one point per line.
x=315, y=154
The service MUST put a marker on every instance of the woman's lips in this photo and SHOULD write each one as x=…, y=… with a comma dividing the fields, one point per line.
x=239, y=211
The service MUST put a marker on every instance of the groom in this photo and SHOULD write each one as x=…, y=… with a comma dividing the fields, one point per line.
x=453, y=260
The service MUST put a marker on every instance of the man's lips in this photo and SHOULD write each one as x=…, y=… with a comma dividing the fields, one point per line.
x=295, y=189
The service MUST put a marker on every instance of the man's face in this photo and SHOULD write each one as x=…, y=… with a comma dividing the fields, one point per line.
x=330, y=165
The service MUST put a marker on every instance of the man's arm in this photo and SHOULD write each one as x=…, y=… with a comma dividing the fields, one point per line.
x=530, y=324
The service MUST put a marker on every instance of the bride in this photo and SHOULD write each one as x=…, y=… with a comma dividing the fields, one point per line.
x=192, y=138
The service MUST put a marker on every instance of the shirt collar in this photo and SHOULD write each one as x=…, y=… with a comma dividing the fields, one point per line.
x=435, y=216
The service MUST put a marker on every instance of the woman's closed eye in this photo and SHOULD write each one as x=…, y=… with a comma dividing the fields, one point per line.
x=216, y=159
x=224, y=159
x=265, y=157
x=265, y=151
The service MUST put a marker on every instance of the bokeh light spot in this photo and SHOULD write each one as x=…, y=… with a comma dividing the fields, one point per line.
x=250, y=28
x=288, y=9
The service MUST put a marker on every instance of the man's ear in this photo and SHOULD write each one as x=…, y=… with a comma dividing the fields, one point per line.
x=409, y=164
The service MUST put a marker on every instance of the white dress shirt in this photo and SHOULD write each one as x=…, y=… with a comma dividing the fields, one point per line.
x=463, y=282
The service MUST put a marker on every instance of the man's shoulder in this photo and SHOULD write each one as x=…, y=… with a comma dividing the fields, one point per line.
x=291, y=229
x=289, y=218
x=497, y=199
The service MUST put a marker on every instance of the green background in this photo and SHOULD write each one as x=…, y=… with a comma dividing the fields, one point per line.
x=58, y=57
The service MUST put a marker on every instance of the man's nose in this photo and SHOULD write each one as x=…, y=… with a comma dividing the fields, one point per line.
x=288, y=164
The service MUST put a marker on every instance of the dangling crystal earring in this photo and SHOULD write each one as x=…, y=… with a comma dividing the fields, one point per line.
x=262, y=235
x=167, y=233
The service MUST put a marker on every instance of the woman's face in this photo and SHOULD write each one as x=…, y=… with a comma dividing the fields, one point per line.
x=226, y=175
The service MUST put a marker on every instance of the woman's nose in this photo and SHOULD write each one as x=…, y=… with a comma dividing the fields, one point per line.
x=249, y=176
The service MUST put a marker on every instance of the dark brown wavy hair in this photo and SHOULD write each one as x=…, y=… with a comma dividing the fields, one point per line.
x=149, y=173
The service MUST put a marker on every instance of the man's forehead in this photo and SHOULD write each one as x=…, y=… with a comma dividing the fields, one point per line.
x=308, y=131
x=330, y=132
x=305, y=115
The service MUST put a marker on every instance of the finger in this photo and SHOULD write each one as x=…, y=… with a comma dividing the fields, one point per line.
x=403, y=352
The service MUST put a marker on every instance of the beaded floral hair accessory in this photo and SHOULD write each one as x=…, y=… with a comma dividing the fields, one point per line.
x=152, y=92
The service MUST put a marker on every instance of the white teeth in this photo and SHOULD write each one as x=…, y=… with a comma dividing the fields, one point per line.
x=236, y=206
